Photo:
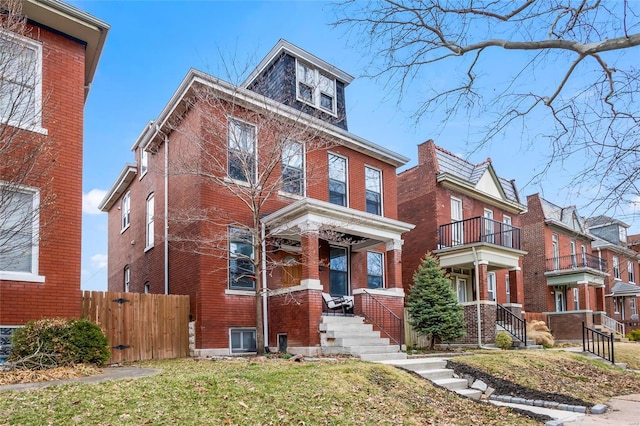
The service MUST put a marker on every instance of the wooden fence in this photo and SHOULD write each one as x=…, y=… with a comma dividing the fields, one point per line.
x=411, y=337
x=140, y=326
x=536, y=316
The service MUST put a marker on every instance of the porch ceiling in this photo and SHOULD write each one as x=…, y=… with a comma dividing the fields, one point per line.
x=310, y=215
x=495, y=257
x=573, y=278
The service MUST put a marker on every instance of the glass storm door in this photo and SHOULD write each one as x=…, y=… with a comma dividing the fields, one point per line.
x=338, y=275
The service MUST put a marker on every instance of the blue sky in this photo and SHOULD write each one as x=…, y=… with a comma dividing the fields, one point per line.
x=152, y=45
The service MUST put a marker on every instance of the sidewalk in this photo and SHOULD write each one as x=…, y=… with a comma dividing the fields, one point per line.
x=622, y=411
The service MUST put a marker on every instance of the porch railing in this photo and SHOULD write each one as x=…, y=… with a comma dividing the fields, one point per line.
x=574, y=261
x=514, y=325
x=612, y=325
x=630, y=325
x=597, y=343
x=381, y=317
x=479, y=230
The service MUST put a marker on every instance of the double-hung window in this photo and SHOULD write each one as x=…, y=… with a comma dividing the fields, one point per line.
x=373, y=184
x=576, y=299
x=126, y=210
x=243, y=340
x=337, y=180
x=19, y=230
x=144, y=162
x=616, y=268
x=375, y=270
x=150, y=220
x=242, y=151
x=127, y=279
x=315, y=88
x=20, y=81
x=491, y=286
x=630, y=269
x=241, y=269
x=293, y=167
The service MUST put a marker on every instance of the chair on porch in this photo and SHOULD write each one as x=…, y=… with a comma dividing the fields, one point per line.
x=339, y=302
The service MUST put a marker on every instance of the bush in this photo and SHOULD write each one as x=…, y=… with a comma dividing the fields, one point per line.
x=503, y=340
x=58, y=342
x=539, y=332
x=634, y=335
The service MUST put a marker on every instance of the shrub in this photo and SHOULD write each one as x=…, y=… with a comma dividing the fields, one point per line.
x=634, y=335
x=539, y=332
x=58, y=342
x=503, y=340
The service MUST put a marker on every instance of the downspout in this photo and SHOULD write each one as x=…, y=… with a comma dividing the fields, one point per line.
x=477, y=277
x=166, y=214
x=265, y=317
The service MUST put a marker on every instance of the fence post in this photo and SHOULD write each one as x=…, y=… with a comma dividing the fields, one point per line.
x=613, y=360
x=584, y=347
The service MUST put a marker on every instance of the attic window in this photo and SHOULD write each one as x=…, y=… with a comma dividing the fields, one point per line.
x=315, y=88
x=622, y=233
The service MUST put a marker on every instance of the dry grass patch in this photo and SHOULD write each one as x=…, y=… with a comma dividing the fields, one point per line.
x=557, y=372
x=629, y=353
x=58, y=373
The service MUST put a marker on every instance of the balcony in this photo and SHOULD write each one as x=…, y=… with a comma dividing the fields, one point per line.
x=478, y=230
x=575, y=261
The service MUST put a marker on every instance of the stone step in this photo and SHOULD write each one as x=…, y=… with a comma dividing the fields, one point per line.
x=359, y=341
x=387, y=356
x=335, y=334
x=357, y=350
x=419, y=364
x=452, y=383
x=347, y=326
x=327, y=319
x=469, y=393
x=436, y=373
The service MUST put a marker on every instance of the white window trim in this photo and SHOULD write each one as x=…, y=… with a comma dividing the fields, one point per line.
x=232, y=329
x=346, y=174
x=304, y=173
x=316, y=90
x=32, y=276
x=150, y=221
x=29, y=43
x=127, y=279
x=144, y=165
x=382, y=266
x=631, y=273
x=615, y=261
x=127, y=195
x=576, y=299
x=366, y=166
x=248, y=182
x=495, y=285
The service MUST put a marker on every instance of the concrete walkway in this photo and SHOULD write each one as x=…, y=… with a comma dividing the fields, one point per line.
x=622, y=411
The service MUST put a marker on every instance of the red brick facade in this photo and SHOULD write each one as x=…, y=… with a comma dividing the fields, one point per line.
x=64, y=77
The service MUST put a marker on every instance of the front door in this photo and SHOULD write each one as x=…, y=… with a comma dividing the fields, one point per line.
x=560, y=303
x=338, y=271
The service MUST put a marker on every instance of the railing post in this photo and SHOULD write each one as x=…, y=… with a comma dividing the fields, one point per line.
x=584, y=347
x=611, y=352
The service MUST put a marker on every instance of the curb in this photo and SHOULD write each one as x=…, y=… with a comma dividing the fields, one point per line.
x=596, y=409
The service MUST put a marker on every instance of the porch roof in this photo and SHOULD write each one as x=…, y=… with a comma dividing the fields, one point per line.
x=310, y=215
x=624, y=289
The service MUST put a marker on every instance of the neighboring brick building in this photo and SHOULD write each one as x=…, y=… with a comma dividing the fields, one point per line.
x=468, y=216
x=331, y=224
x=621, y=285
x=562, y=276
x=40, y=225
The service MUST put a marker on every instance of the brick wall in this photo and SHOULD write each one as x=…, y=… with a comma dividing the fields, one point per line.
x=568, y=325
x=59, y=260
x=488, y=321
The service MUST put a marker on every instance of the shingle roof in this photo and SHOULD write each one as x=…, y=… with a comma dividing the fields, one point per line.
x=601, y=220
x=568, y=216
x=625, y=288
x=456, y=166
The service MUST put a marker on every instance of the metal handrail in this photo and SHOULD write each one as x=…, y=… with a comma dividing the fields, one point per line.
x=575, y=261
x=479, y=230
x=376, y=313
x=612, y=325
x=512, y=323
x=598, y=343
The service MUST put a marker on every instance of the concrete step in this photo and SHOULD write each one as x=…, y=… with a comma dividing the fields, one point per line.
x=387, y=356
x=469, y=393
x=419, y=364
x=346, y=326
x=327, y=319
x=357, y=350
x=451, y=383
x=359, y=341
x=336, y=334
x=436, y=373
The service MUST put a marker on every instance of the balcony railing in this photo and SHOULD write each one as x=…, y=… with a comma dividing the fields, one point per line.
x=575, y=261
x=479, y=230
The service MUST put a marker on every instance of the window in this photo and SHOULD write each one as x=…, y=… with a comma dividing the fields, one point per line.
x=315, y=88
x=373, y=184
x=560, y=305
x=242, y=151
x=632, y=302
x=150, y=220
x=147, y=288
x=574, y=260
x=241, y=270
x=375, y=270
x=491, y=285
x=583, y=250
x=337, y=180
x=243, y=340
x=461, y=289
x=457, y=229
x=127, y=279
x=488, y=226
x=293, y=167
x=630, y=269
x=20, y=81
x=19, y=231
x=616, y=268
x=508, y=231
x=622, y=234
x=126, y=210
x=144, y=162
x=338, y=271
x=507, y=287
x=576, y=299
x=556, y=251
x=616, y=306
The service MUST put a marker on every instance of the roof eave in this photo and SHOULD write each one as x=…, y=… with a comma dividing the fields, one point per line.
x=123, y=181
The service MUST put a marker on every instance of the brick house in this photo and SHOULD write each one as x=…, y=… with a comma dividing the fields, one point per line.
x=334, y=230
x=621, y=285
x=40, y=225
x=563, y=278
x=469, y=217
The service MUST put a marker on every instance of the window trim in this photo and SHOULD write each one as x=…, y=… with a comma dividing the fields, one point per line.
x=382, y=270
x=631, y=272
x=150, y=227
x=36, y=124
x=346, y=177
x=33, y=274
x=380, y=193
x=125, y=207
x=231, y=255
x=236, y=120
x=576, y=299
x=616, y=267
x=316, y=91
x=242, y=330
x=127, y=279
x=492, y=293
x=303, y=170
x=144, y=163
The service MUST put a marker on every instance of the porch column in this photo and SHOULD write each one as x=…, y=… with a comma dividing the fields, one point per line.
x=310, y=257
x=585, y=294
x=599, y=299
x=482, y=281
x=516, y=286
x=394, y=264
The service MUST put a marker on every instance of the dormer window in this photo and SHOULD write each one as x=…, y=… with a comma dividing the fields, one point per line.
x=622, y=233
x=315, y=88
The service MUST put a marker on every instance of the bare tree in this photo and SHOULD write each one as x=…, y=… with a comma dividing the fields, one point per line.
x=569, y=67
x=26, y=153
x=253, y=158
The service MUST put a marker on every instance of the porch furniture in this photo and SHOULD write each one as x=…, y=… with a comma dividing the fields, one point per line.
x=339, y=302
